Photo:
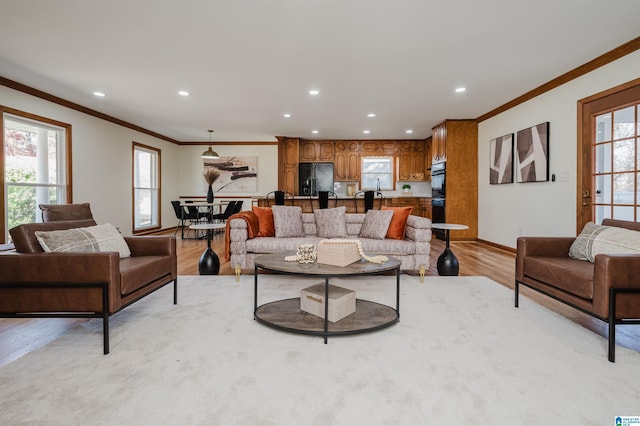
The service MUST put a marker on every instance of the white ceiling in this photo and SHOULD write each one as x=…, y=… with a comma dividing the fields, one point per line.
x=248, y=62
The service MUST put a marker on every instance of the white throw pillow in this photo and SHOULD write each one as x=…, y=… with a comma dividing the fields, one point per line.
x=92, y=239
x=600, y=239
x=615, y=240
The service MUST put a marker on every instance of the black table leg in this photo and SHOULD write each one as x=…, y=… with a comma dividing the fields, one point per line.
x=448, y=262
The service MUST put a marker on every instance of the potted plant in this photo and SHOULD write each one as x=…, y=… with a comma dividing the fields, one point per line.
x=406, y=188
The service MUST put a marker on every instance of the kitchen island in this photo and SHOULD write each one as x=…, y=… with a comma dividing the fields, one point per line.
x=421, y=205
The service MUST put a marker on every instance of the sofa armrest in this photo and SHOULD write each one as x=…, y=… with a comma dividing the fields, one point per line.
x=239, y=231
x=418, y=229
x=64, y=269
x=155, y=246
x=615, y=271
x=540, y=246
x=151, y=246
x=60, y=268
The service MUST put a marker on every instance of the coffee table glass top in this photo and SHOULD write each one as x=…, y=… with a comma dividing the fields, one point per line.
x=275, y=262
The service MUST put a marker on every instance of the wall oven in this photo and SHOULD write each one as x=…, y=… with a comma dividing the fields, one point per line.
x=438, y=192
x=438, y=184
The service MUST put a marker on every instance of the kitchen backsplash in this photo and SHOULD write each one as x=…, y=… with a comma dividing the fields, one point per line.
x=418, y=189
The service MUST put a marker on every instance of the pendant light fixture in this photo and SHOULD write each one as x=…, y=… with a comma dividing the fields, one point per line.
x=209, y=153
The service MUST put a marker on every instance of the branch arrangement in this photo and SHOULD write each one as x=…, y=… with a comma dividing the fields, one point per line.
x=211, y=174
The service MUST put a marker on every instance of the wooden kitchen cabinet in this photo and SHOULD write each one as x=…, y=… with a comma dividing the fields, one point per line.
x=373, y=148
x=411, y=162
x=288, y=154
x=421, y=205
x=316, y=151
x=426, y=207
x=458, y=140
x=438, y=143
x=347, y=161
x=427, y=158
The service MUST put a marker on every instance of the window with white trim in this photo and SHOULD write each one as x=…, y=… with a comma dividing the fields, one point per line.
x=377, y=173
x=35, y=167
x=146, y=187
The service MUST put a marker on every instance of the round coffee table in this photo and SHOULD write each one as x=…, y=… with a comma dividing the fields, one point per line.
x=287, y=315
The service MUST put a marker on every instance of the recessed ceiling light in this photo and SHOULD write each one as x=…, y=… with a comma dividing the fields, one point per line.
x=183, y=93
x=461, y=89
x=408, y=131
x=99, y=94
x=315, y=132
x=371, y=115
x=286, y=115
x=366, y=132
x=314, y=92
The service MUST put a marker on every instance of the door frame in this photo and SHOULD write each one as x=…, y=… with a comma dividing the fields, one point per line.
x=588, y=108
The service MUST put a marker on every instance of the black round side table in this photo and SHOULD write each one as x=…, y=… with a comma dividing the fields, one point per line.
x=448, y=262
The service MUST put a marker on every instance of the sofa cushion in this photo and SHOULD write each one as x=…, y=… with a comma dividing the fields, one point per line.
x=137, y=272
x=265, y=221
x=58, y=212
x=92, y=239
x=375, y=224
x=372, y=246
x=330, y=223
x=275, y=245
x=564, y=273
x=398, y=222
x=24, y=237
x=598, y=239
x=288, y=221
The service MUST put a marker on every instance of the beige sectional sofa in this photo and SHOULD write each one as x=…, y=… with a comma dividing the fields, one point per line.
x=413, y=250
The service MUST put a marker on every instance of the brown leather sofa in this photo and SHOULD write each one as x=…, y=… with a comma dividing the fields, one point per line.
x=608, y=289
x=86, y=285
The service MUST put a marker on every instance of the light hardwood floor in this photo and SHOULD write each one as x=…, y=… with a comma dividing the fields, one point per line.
x=21, y=336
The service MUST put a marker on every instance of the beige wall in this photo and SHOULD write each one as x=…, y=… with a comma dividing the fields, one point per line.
x=102, y=157
x=542, y=208
x=102, y=160
x=191, y=166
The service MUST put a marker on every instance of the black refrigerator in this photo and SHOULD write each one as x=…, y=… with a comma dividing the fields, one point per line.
x=314, y=177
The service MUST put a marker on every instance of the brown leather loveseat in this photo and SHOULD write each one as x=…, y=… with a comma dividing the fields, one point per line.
x=95, y=285
x=607, y=288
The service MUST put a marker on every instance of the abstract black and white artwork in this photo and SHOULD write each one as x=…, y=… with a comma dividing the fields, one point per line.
x=501, y=160
x=532, y=148
x=237, y=174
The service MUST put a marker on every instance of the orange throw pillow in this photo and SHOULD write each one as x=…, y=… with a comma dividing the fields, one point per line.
x=265, y=221
x=398, y=222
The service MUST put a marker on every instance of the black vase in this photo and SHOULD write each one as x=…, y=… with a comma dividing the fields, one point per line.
x=210, y=195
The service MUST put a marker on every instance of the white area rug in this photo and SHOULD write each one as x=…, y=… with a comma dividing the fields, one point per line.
x=461, y=354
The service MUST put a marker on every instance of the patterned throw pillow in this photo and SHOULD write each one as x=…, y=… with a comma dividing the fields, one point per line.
x=92, y=239
x=288, y=221
x=375, y=224
x=265, y=221
x=581, y=247
x=398, y=221
x=331, y=223
x=599, y=239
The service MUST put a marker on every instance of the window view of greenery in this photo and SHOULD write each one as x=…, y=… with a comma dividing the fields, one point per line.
x=31, y=169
